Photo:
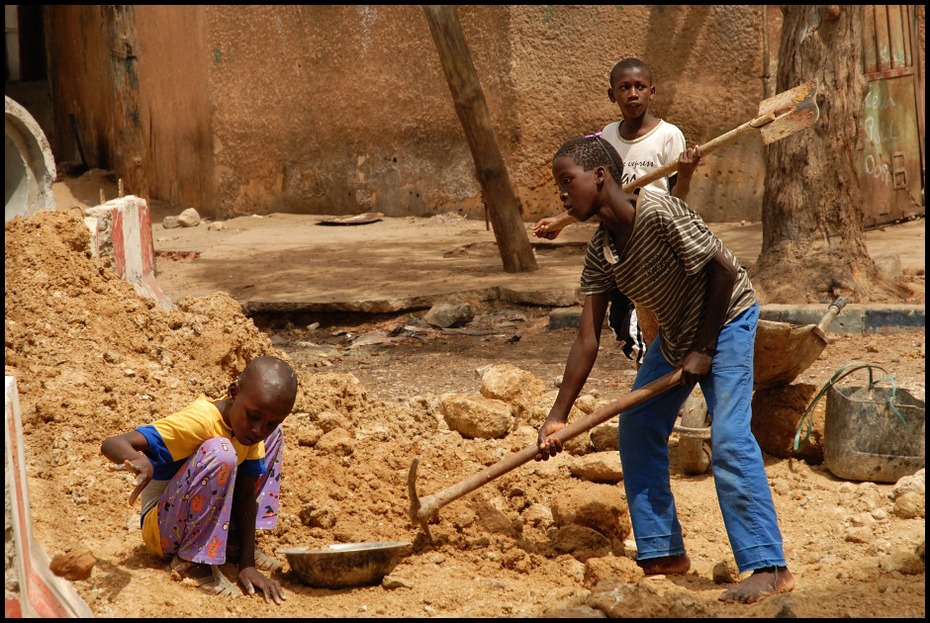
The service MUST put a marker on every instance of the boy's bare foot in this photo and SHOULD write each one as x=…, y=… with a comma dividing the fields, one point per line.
x=761, y=584
x=671, y=565
x=205, y=577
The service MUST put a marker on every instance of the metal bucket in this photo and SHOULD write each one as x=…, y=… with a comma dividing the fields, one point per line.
x=346, y=565
x=866, y=439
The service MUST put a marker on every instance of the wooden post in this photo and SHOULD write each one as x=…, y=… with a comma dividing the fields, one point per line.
x=509, y=230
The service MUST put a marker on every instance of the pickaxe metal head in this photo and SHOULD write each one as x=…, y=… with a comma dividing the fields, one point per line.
x=415, y=518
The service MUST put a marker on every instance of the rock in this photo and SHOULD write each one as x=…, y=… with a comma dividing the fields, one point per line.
x=538, y=516
x=189, y=218
x=536, y=409
x=909, y=505
x=76, y=564
x=447, y=315
x=606, y=436
x=913, y=483
x=511, y=384
x=475, y=416
x=618, y=567
x=580, y=444
x=725, y=572
x=575, y=612
x=598, y=467
x=859, y=534
x=581, y=542
x=391, y=582
x=564, y=318
x=310, y=437
x=586, y=403
x=337, y=441
x=596, y=506
x=619, y=599
x=314, y=517
x=907, y=563
x=170, y=222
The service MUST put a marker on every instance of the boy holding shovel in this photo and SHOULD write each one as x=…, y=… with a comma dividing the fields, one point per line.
x=660, y=253
x=645, y=143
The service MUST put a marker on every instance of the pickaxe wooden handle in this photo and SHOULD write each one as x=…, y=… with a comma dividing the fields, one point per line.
x=779, y=116
x=421, y=509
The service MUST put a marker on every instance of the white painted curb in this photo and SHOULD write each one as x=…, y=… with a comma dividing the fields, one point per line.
x=122, y=229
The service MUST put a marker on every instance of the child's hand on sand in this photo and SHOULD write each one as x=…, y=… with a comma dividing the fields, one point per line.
x=142, y=467
x=250, y=579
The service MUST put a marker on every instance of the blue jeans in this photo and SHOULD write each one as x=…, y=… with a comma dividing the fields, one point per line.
x=739, y=473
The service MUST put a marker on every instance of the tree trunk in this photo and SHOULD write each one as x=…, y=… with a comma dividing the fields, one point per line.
x=503, y=207
x=813, y=245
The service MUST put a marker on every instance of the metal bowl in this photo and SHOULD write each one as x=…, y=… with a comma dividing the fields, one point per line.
x=344, y=565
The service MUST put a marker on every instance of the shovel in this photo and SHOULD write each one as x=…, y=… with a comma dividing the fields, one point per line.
x=423, y=509
x=783, y=350
x=779, y=116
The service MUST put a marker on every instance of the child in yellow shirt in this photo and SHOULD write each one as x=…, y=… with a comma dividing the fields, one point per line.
x=212, y=466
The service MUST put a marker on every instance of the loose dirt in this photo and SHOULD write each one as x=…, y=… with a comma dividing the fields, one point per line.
x=93, y=359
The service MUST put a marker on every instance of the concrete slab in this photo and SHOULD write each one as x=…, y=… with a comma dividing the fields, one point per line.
x=288, y=262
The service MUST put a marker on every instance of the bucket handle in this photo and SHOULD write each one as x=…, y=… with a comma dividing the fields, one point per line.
x=843, y=371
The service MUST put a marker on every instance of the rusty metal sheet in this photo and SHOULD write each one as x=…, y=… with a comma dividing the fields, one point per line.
x=889, y=156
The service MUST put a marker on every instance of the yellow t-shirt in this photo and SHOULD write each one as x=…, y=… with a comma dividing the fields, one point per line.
x=172, y=440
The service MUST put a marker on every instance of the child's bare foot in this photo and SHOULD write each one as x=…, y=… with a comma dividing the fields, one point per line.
x=205, y=577
x=761, y=584
x=671, y=565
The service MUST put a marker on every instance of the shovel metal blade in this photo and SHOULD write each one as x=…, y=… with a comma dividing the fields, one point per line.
x=794, y=110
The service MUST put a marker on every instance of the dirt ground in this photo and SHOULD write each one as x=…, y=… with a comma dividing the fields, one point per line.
x=93, y=359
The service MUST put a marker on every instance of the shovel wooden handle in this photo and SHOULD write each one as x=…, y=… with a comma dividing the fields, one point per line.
x=779, y=116
x=429, y=505
x=708, y=147
x=835, y=308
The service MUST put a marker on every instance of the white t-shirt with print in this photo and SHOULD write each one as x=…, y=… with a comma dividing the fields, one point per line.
x=663, y=144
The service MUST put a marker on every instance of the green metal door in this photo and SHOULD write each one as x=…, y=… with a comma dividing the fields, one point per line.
x=891, y=158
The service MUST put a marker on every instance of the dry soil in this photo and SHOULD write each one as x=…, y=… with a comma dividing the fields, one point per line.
x=93, y=359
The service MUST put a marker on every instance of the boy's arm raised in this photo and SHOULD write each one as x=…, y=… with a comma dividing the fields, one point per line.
x=680, y=183
x=550, y=226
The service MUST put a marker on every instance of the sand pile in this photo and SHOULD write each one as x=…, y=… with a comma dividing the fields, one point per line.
x=92, y=359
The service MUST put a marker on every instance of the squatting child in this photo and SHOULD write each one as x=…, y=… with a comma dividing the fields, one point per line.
x=210, y=475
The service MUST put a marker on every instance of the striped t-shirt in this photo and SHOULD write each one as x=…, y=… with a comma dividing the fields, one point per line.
x=662, y=269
